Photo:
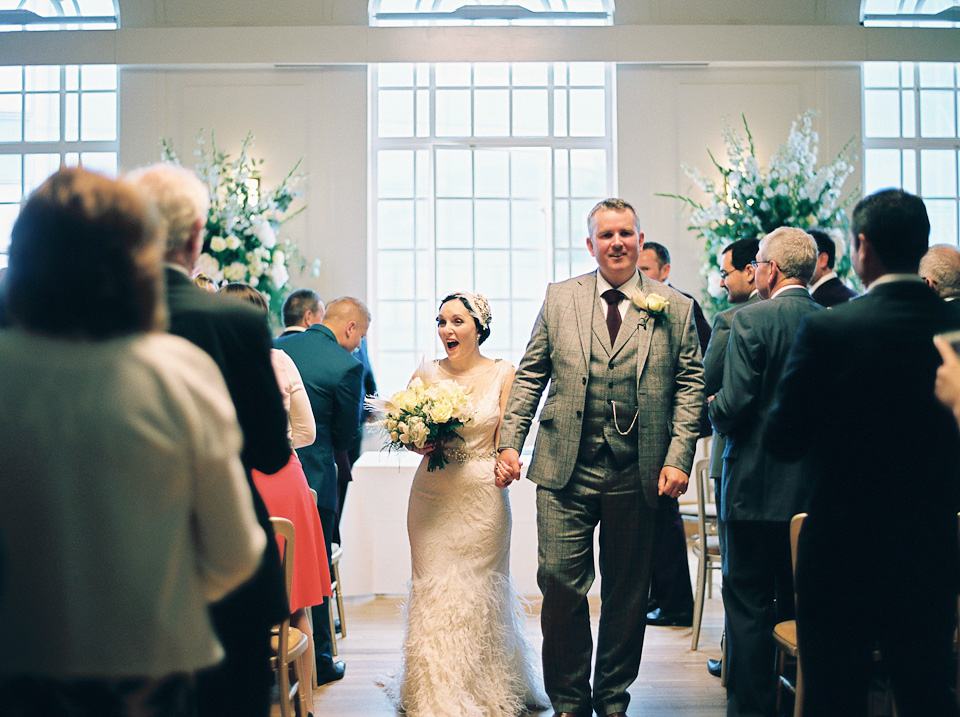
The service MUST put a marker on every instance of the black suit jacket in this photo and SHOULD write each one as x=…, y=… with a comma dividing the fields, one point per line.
x=833, y=292
x=756, y=485
x=857, y=398
x=237, y=338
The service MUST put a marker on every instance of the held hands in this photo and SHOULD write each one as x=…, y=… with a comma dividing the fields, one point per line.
x=673, y=482
x=508, y=468
x=427, y=449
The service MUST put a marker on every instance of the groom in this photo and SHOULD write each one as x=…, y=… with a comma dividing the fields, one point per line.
x=617, y=435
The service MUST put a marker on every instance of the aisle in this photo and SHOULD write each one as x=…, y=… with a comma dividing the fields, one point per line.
x=673, y=680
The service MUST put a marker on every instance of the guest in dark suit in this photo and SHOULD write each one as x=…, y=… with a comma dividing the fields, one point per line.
x=237, y=338
x=825, y=286
x=878, y=559
x=940, y=270
x=760, y=494
x=333, y=379
x=738, y=280
x=301, y=309
x=671, y=596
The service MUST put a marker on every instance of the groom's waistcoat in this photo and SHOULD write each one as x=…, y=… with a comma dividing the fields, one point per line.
x=612, y=379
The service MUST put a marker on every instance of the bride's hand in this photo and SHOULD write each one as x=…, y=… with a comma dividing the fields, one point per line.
x=427, y=449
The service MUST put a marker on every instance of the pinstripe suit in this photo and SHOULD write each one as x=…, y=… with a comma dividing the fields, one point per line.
x=567, y=348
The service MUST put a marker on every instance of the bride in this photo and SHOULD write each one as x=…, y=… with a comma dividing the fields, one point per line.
x=465, y=651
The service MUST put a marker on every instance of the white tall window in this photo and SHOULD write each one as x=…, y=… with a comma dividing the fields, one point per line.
x=482, y=177
x=911, y=117
x=53, y=115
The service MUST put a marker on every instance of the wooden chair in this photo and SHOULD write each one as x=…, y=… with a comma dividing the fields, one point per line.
x=288, y=643
x=785, y=634
x=336, y=552
x=706, y=544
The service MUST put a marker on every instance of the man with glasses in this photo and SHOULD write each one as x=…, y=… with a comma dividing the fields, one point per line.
x=760, y=494
x=737, y=279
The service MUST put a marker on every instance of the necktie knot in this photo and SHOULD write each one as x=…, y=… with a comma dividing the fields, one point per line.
x=612, y=297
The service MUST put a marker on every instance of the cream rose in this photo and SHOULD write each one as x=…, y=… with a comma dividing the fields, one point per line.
x=440, y=411
x=217, y=244
x=656, y=304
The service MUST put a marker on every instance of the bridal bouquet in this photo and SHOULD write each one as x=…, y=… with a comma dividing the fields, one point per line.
x=422, y=414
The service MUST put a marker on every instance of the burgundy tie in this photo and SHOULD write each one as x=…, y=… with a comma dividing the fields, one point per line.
x=612, y=297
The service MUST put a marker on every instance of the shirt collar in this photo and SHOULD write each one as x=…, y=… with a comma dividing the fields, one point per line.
x=890, y=278
x=626, y=288
x=782, y=289
x=823, y=279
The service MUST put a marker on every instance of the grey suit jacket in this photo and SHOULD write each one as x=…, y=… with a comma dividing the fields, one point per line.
x=755, y=485
x=713, y=361
x=669, y=382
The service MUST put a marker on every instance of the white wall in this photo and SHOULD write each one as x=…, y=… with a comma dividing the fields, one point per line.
x=670, y=116
x=319, y=114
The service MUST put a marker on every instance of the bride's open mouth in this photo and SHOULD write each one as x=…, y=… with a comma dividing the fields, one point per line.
x=451, y=345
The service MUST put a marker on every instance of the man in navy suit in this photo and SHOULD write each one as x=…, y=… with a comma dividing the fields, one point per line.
x=760, y=494
x=333, y=378
x=825, y=286
x=238, y=340
x=301, y=309
x=878, y=557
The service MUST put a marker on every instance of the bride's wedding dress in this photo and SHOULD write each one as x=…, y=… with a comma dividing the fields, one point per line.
x=465, y=651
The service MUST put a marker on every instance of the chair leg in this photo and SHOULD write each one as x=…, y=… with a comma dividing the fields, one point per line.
x=798, y=695
x=302, y=685
x=723, y=660
x=283, y=682
x=698, y=603
x=338, y=593
x=333, y=632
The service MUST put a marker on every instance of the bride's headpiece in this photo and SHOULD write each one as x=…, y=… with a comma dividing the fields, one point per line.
x=478, y=306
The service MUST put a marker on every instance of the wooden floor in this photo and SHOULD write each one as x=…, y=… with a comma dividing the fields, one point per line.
x=673, y=679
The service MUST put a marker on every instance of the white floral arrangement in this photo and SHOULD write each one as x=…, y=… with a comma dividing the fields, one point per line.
x=241, y=242
x=423, y=414
x=750, y=201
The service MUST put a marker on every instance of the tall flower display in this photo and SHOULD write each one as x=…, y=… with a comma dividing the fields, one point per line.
x=749, y=201
x=241, y=242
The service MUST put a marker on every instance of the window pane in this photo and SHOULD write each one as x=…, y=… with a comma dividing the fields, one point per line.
x=529, y=173
x=529, y=275
x=40, y=78
x=881, y=169
x=908, y=103
x=453, y=74
x=10, y=189
x=396, y=328
x=454, y=173
x=529, y=226
x=937, y=114
x=943, y=220
x=881, y=113
x=910, y=170
x=881, y=74
x=103, y=162
x=36, y=168
x=98, y=117
x=11, y=118
x=492, y=173
x=394, y=174
x=71, y=117
x=588, y=172
x=42, y=118
x=936, y=74
x=493, y=280
x=530, y=113
x=395, y=74
x=454, y=223
x=486, y=74
x=423, y=113
x=587, y=116
x=395, y=275
x=453, y=113
x=561, y=223
x=938, y=172
x=8, y=215
x=455, y=270
x=11, y=79
x=71, y=78
x=492, y=117
x=395, y=113
x=587, y=73
x=98, y=77
x=492, y=223
x=560, y=113
x=530, y=74
x=395, y=223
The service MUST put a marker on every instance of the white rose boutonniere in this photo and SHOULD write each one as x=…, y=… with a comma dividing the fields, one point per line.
x=651, y=304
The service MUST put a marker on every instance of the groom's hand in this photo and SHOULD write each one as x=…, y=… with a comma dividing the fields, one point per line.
x=508, y=467
x=673, y=482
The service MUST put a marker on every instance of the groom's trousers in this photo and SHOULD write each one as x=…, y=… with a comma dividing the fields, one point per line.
x=598, y=493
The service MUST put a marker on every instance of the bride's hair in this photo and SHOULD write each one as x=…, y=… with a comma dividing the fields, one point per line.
x=478, y=308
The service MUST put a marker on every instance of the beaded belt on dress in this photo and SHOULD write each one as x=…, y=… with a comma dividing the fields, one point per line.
x=461, y=456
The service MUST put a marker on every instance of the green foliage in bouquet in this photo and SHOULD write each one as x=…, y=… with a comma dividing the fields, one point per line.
x=241, y=242
x=749, y=202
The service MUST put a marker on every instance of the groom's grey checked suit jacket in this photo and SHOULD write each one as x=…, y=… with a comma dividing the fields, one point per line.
x=669, y=379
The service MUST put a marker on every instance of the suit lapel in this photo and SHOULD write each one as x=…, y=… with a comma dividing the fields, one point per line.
x=585, y=301
x=645, y=334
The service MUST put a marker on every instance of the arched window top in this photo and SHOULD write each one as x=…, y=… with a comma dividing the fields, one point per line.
x=58, y=15
x=910, y=13
x=491, y=12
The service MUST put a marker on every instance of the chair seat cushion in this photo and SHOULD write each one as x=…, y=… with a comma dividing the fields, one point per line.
x=293, y=639
x=785, y=633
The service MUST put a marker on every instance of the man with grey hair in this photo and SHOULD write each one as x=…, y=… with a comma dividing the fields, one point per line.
x=760, y=494
x=940, y=270
x=237, y=338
